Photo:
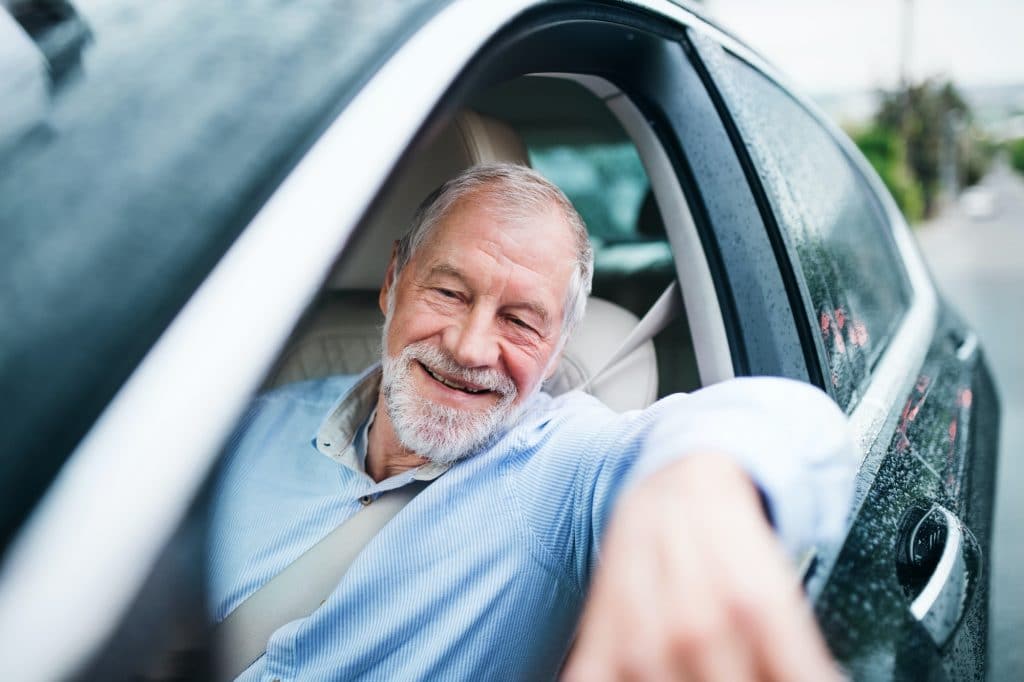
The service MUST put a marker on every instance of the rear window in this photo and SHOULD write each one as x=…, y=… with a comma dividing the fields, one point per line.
x=606, y=183
x=137, y=139
x=833, y=224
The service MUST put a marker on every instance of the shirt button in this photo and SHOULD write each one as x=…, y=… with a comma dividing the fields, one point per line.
x=365, y=500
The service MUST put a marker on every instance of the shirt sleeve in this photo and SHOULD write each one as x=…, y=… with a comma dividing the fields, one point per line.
x=790, y=437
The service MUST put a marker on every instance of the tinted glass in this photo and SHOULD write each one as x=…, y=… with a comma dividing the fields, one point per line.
x=605, y=181
x=136, y=140
x=632, y=258
x=608, y=185
x=851, y=272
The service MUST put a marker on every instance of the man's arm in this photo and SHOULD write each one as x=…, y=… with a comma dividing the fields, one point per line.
x=692, y=582
x=694, y=585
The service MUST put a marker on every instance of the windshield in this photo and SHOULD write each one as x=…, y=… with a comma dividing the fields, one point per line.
x=137, y=139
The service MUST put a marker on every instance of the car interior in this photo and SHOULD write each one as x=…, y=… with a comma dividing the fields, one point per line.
x=569, y=128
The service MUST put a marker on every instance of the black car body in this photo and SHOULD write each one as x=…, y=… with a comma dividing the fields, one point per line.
x=175, y=217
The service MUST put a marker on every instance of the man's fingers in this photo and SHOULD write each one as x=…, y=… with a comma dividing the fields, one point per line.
x=764, y=595
x=799, y=655
x=699, y=639
x=755, y=583
x=694, y=585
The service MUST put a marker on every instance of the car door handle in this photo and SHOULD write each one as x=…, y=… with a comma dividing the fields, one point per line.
x=937, y=565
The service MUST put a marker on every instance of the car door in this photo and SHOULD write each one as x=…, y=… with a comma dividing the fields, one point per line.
x=905, y=596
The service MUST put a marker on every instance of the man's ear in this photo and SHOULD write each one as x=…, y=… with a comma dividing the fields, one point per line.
x=389, y=280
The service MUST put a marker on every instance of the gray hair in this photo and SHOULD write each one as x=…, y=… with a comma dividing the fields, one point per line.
x=518, y=192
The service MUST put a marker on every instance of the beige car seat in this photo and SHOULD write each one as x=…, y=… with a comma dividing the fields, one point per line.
x=342, y=336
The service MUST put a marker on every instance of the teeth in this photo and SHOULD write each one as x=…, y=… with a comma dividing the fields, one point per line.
x=452, y=384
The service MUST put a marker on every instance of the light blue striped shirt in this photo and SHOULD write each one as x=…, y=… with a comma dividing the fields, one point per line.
x=483, y=574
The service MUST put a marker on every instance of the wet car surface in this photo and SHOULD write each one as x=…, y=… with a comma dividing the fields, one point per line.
x=940, y=453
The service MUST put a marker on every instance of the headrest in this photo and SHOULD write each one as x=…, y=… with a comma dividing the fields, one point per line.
x=631, y=384
x=470, y=139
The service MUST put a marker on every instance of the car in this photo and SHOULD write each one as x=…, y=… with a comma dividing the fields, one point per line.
x=204, y=211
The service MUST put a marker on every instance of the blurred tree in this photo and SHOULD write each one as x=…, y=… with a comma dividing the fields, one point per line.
x=885, y=150
x=929, y=125
x=921, y=113
x=977, y=151
x=1016, y=148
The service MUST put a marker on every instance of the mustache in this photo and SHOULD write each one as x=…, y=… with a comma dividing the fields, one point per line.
x=440, y=361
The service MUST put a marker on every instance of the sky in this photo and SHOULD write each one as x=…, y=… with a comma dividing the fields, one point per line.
x=834, y=46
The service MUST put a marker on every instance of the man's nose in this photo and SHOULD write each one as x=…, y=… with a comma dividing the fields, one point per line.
x=472, y=341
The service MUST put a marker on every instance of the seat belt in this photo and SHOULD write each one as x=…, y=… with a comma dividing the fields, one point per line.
x=663, y=311
x=303, y=586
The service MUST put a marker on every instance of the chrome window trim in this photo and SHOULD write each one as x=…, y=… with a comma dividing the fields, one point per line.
x=704, y=314
x=54, y=614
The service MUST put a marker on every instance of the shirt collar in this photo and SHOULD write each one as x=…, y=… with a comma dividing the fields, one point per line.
x=343, y=434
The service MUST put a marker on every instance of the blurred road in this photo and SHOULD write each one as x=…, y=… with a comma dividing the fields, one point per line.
x=976, y=252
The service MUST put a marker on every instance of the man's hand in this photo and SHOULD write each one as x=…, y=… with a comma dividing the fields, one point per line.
x=694, y=585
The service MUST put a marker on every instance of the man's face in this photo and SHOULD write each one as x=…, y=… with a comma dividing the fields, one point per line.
x=473, y=322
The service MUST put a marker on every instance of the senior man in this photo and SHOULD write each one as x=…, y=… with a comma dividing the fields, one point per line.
x=656, y=521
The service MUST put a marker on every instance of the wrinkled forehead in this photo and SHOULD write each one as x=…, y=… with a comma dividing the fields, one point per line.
x=503, y=205
x=531, y=234
x=508, y=210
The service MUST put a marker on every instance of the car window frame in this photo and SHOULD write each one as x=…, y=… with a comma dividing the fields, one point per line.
x=703, y=309
x=108, y=253
x=873, y=419
x=786, y=250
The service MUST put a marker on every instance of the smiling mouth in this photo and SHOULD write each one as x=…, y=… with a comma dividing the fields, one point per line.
x=452, y=384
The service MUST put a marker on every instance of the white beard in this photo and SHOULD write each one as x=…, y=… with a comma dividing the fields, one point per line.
x=441, y=433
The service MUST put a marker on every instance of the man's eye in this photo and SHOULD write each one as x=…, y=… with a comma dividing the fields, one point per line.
x=519, y=323
x=447, y=293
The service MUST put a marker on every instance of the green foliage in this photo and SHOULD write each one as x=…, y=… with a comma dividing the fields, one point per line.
x=1016, y=149
x=931, y=120
x=885, y=151
x=977, y=154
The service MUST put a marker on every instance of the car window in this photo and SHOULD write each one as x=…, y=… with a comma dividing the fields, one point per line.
x=607, y=184
x=830, y=220
x=605, y=181
x=633, y=262
x=143, y=138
